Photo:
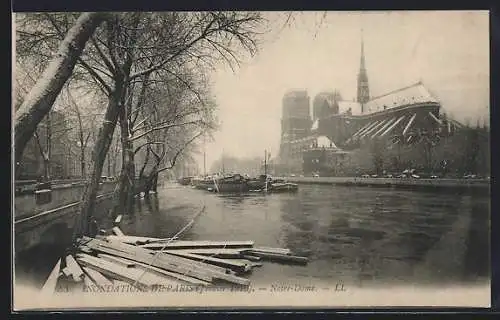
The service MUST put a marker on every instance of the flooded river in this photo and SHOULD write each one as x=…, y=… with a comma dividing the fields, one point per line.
x=358, y=235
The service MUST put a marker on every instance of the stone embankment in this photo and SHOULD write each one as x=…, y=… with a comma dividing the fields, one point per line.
x=470, y=184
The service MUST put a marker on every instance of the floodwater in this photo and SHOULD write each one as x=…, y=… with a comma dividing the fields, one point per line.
x=361, y=236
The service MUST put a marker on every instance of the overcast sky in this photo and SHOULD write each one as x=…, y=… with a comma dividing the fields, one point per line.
x=448, y=51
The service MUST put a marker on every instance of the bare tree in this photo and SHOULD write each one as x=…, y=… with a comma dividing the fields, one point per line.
x=85, y=115
x=41, y=97
x=138, y=48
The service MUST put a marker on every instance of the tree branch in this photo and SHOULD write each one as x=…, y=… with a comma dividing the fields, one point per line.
x=166, y=126
x=174, y=159
x=147, y=144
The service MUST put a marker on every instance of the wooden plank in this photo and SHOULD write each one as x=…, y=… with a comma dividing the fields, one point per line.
x=117, y=231
x=148, y=255
x=159, y=263
x=247, y=262
x=251, y=258
x=138, y=240
x=180, y=244
x=118, y=220
x=97, y=277
x=236, y=266
x=280, y=257
x=66, y=272
x=143, y=279
x=127, y=263
x=140, y=265
x=75, y=269
x=168, y=262
x=215, y=252
x=51, y=282
x=272, y=250
x=111, y=271
x=88, y=281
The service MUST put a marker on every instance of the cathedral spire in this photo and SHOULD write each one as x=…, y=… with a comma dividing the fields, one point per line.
x=363, y=89
x=362, y=62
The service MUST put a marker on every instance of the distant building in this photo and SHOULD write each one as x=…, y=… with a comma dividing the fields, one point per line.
x=325, y=103
x=341, y=128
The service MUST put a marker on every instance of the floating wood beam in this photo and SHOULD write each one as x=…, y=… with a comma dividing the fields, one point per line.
x=392, y=126
x=200, y=244
x=137, y=240
x=409, y=123
x=282, y=257
x=269, y=250
x=251, y=257
x=216, y=252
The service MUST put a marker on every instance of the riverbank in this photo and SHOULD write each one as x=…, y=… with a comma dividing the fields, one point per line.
x=464, y=184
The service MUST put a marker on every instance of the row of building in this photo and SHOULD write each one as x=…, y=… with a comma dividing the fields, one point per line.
x=402, y=128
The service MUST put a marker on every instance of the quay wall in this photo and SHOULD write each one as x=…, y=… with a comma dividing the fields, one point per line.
x=481, y=185
x=26, y=204
x=52, y=222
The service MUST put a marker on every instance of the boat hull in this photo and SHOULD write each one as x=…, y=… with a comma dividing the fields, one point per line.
x=284, y=187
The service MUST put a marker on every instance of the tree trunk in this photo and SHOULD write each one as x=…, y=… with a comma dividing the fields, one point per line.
x=154, y=184
x=151, y=182
x=100, y=150
x=46, y=171
x=125, y=193
x=41, y=97
x=82, y=164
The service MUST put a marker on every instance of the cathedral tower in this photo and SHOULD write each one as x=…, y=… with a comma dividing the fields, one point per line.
x=363, y=89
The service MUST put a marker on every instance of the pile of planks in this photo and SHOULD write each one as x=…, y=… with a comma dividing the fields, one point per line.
x=143, y=262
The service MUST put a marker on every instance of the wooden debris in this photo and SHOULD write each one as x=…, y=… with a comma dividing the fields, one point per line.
x=271, y=250
x=51, y=283
x=117, y=231
x=97, y=277
x=117, y=221
x=136, y=240
x=143, y=266
x=251, y=257
x=159, y=263
x=281, y=257
x=142, y=279
x=179, y=244
x=137, y=263
x=215, y=252
x=87, y=281
x=66, y=272
x=236, y=266
x=169, y=262
x=74, y=268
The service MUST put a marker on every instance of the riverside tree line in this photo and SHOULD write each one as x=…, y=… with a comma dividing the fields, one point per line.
x=145, y=74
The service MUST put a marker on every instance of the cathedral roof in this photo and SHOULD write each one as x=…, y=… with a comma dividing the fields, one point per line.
x=345, y=106
x=413, y=94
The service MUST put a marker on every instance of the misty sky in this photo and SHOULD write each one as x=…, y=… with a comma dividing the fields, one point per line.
x=448, y=51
